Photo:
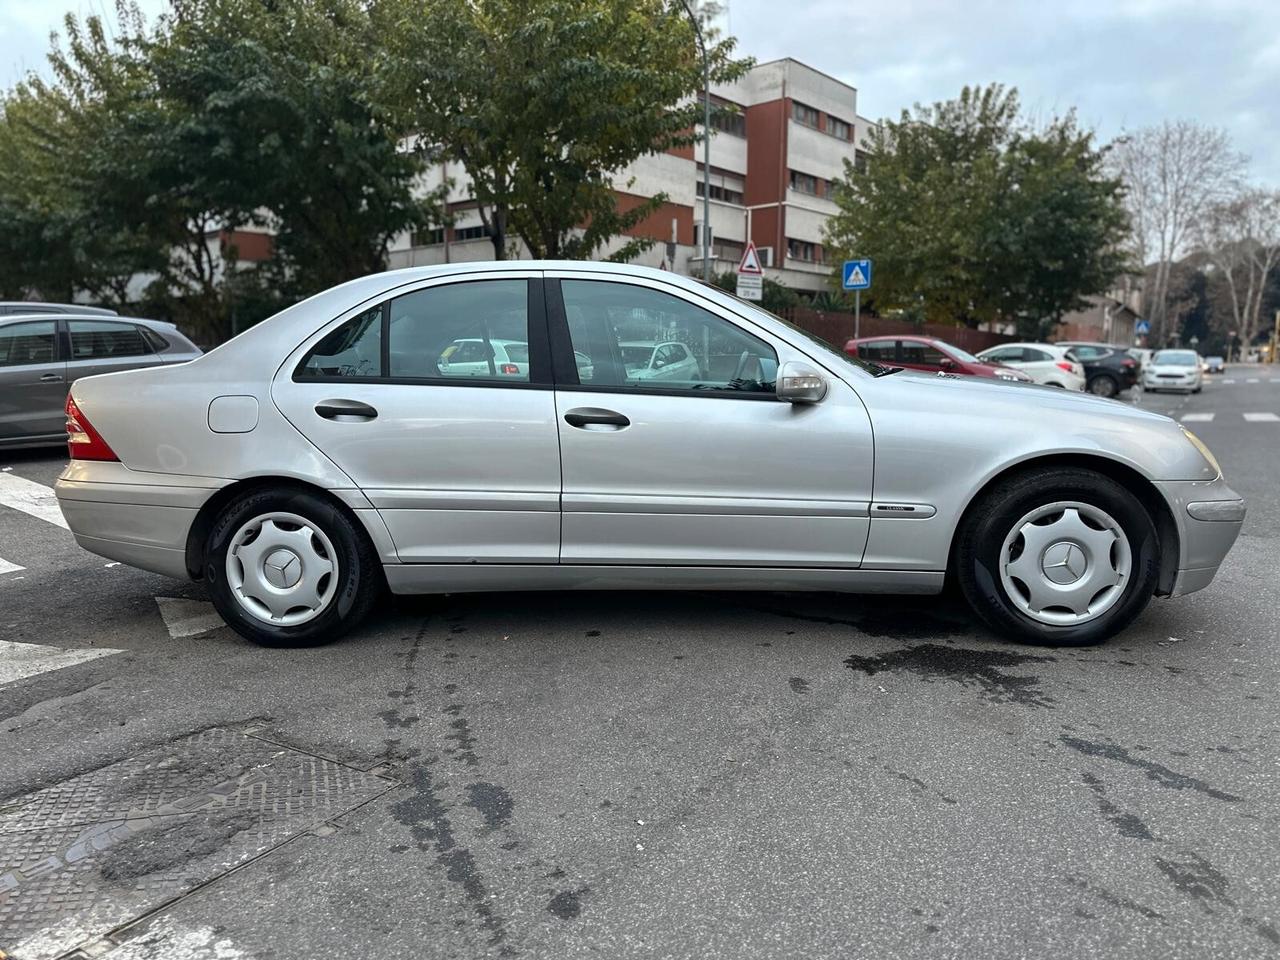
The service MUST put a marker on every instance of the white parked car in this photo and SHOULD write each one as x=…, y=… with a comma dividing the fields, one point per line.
x=644, y=360
x=1045, y=363
x=1173, y=370
x=469, y=357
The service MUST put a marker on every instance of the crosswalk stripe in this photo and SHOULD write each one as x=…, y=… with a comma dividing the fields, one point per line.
x=1197, y=417
x=21, y=660
x=7, y=567
x=1262, y=418
x=1229, y=380
x=31, y=498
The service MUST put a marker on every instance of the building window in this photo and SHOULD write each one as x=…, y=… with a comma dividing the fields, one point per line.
x=860, y=161
x=803, y=114
x=839, y=128
x=726, y=186
x=427, y=238
x=727, y=249
x=805, y=183
x=728, y=117
x=804, y=250
x=469, y=233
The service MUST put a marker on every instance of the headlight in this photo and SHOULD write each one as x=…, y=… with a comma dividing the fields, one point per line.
x=1204, y=451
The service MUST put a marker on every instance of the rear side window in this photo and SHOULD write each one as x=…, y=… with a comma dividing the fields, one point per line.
x=23, y=343
x=1032, y=355
x=154, y=340
x=881, y=351
x=476, y=330
x=105, y=339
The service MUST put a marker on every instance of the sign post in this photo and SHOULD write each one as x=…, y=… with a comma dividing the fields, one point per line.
x=857, y=277
x=750, y=274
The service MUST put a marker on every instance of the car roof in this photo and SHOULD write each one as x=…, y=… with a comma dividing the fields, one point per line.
x=44, y=308
x=95, y=317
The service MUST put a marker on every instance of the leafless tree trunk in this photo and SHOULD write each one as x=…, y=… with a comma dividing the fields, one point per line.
x=1241, y=236
x=1173, y=173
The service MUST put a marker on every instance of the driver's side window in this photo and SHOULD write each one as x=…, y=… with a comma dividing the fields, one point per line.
x=632, y=337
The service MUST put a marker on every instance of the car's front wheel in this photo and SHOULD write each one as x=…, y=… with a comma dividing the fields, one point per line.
x=1104, y=385
x=287, y=568
x=1058, y=557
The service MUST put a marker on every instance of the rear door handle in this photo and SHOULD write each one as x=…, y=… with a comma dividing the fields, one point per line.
x=51, y=378
x=345, y=410
x=595, y=416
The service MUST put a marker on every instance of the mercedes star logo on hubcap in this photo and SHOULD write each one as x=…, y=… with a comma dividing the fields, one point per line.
x=1063, y=563
x=282, y=569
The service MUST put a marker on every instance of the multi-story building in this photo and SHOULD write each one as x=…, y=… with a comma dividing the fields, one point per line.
x=773, y=161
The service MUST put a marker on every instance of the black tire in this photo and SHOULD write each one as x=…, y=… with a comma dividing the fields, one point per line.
x=1104, y=385
x=988, y=522
x=360, y=579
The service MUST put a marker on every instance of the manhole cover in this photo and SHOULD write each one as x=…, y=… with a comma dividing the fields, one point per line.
x=79, y=858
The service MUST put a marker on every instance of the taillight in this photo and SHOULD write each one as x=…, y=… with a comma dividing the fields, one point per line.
x=1128, y=362
x=510, y=369
x=84, y=442
x=1063, y=365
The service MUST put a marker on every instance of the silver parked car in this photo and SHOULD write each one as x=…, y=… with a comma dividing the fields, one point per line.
x=299, y=489
x=40, y=354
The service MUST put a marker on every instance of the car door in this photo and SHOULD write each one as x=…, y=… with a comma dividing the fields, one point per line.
x=710, y=469
x=106, y=346
x=919, y=355
x=33, y=382
x=1006, y=356
x=462, y=467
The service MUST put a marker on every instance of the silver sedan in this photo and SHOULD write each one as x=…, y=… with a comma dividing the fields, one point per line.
x=300, y=486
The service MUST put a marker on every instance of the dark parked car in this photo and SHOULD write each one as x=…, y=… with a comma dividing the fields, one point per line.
x=929, y=355
x=11, y=307
x=42, y=354
x=1108, y=370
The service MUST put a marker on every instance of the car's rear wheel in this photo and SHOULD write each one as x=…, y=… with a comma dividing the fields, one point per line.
x=1104, y=385
x=1061, y=557
x=287, y=568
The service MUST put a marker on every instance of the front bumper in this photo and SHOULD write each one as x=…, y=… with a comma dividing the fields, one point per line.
x=1208, y=515
x=1189, y=382
x=137, y=518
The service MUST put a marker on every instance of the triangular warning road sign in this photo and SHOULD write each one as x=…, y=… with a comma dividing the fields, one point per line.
x=750, y=260
x=856, y=279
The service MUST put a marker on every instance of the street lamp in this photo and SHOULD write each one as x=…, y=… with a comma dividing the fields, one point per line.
x=706, y=142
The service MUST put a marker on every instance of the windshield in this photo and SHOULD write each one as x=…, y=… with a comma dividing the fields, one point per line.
x=964, y=355
x=1175, y=358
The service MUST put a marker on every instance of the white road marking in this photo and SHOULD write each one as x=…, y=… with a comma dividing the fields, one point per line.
x=1262, y=418
x=7, y=567
x=1252, y=380
x=31, y=498
x=187, y=618
x=1229, y=380
x=1197, y=417
x=21, y=660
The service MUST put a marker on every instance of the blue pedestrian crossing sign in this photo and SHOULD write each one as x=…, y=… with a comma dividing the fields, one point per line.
x=857, y=274
x=1141, y=327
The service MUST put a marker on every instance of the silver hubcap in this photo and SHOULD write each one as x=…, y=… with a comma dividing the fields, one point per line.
x=1065, y=563
x=282, y=569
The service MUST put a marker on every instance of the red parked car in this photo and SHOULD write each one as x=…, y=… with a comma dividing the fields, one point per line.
x=929, y=355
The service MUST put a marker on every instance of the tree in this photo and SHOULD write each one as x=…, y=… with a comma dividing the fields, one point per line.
x=545, y=104
x=1241, y=237
x=974, y=215
x=1173, y=174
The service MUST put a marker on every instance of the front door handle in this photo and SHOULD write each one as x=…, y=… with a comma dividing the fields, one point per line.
x=345, y=410
x=595, y=416
x=51, y=378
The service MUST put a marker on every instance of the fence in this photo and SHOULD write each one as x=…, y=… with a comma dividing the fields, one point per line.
x=837, y=328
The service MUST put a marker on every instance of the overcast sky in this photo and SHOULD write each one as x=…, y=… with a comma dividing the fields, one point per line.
x=1121, y=63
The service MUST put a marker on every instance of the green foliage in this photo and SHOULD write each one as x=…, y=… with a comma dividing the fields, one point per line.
x=777, y=298
x=974, y=214
x=544, y=104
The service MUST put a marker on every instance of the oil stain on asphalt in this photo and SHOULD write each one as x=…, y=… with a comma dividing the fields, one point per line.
x=981, y=669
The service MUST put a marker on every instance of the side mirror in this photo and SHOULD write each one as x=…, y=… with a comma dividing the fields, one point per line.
x=800, y=383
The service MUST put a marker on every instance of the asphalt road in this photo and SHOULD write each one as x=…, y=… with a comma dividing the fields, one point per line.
x=642, y=775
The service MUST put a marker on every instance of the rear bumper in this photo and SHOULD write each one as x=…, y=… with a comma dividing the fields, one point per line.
x=141, y=519
x=1209, y=515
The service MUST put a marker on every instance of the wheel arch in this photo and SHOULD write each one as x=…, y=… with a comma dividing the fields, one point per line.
x=207, y=515
x=1130, y=478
